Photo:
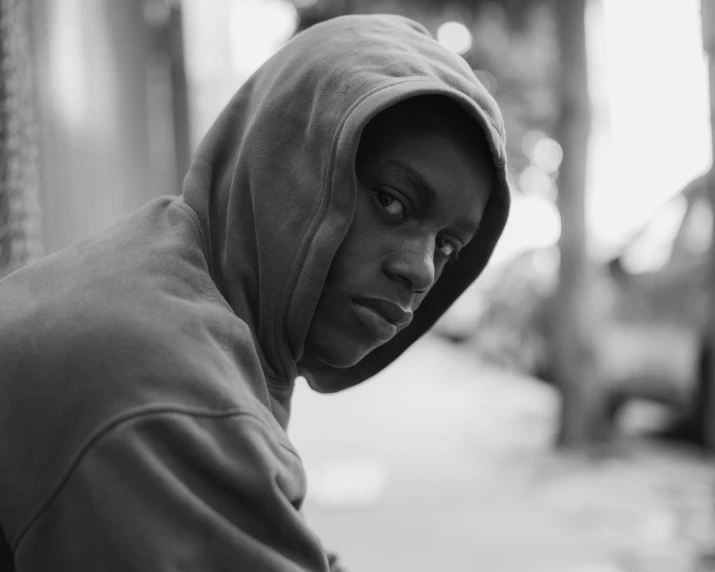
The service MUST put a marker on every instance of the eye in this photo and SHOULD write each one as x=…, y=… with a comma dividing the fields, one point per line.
x=447, y=248
x=390, y=204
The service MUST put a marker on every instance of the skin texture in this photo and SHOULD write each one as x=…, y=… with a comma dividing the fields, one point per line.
x=401, y=239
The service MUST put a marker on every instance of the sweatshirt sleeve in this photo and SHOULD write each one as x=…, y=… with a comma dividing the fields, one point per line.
x=171, y=491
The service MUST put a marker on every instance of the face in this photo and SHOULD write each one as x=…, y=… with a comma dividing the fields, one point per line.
x=423, y=183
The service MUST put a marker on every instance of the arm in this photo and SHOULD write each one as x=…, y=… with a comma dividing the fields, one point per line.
x=176, y=491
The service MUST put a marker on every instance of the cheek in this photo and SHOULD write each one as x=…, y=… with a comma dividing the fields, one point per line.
x=348, y=263
x=360, y=253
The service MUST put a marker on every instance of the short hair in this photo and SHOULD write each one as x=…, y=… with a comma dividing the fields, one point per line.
x=442, y=109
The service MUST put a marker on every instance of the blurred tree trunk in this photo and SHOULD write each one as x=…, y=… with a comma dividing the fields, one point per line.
x=180, y=96
x=574, y=360
x=708, y=392
x=19, y=211
x=168, y=94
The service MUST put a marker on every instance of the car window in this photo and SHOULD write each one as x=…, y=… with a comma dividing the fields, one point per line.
x=653, y=246
x=697, y=228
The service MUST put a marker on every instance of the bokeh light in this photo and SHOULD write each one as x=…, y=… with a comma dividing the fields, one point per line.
x=529, y=141
x=547, y=154
x=535, y=181
x=455, y=36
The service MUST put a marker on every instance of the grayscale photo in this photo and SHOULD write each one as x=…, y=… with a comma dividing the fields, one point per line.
x=357, y=286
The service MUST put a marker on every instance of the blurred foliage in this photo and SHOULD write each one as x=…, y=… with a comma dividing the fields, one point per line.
x=514, y=52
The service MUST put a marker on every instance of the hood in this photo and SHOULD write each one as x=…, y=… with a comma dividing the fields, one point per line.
x=273, y=182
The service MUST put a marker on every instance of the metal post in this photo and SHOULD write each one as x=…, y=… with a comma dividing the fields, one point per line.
x=20, y=237
x=708, y=26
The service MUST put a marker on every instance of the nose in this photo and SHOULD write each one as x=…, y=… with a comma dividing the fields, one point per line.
x=413, y=263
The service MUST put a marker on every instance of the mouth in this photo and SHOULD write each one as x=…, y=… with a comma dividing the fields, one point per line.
x=381, y=318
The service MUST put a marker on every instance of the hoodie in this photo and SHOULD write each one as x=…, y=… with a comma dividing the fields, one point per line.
x=146, y=373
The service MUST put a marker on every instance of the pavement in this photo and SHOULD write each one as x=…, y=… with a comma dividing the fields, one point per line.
x=444, y=463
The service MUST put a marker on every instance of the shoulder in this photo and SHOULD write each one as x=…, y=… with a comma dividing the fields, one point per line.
x=64, y=393
x=94, y=335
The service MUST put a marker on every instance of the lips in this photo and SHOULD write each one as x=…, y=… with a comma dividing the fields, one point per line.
x=382, y=318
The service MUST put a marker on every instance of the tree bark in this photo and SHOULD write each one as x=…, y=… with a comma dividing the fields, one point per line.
x=20, y=237
x=575, y=367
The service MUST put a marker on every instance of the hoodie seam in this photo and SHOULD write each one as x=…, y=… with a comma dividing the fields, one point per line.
x=105, y=429
x=188, y=209
x=197, y=223
x=276, y=382
x=297, y=269
x=326, y=188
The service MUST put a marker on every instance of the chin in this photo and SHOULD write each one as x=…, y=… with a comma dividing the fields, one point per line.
x=339, y=356
x=342, y=361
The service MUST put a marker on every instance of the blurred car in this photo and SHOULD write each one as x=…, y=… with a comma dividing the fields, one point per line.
x=651, y=311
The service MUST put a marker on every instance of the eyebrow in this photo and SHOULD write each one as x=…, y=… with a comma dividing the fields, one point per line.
x=416, y=180
x=428, y=194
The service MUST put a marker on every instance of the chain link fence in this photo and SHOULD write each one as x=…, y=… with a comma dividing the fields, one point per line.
x=20, y=228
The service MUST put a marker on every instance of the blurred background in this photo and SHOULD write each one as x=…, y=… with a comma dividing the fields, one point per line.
x=561, y=416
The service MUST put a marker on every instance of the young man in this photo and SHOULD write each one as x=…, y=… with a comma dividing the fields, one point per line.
x=347, y=195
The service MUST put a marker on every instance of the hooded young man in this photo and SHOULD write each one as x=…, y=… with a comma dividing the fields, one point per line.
x=146, y=373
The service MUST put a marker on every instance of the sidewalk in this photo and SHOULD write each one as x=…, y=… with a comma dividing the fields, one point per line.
x=442, y=463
